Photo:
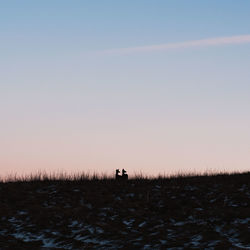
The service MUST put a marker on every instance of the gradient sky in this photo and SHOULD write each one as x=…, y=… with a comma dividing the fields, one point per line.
x=151, y=86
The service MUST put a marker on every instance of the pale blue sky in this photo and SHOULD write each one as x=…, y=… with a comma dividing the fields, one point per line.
x=66, y=104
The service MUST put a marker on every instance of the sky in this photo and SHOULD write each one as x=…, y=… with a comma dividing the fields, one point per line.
x=150, y=86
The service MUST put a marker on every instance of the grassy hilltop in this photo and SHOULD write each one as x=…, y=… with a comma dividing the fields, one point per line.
x=192, y=212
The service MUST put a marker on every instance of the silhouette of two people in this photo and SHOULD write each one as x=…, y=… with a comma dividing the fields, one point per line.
x=124, y=176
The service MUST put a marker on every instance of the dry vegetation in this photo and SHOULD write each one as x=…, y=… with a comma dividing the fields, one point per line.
x=90, y=212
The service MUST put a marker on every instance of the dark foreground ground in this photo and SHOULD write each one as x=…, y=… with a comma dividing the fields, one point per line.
x=209, y=212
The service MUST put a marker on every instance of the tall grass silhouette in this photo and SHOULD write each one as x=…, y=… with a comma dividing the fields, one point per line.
x=63, y=176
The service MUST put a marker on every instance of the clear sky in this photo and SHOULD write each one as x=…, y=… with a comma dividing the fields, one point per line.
x=152, y=86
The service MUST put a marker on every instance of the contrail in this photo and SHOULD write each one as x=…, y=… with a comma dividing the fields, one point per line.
x=217, y=41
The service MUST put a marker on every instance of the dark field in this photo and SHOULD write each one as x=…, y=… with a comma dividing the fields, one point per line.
x=192, y=212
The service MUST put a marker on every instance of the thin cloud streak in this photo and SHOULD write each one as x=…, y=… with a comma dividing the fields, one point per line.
x=218, y=41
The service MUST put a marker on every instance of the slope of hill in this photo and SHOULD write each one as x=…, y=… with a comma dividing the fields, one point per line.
x=198, y=212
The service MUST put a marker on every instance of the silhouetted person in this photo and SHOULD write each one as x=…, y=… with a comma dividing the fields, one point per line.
x=124, y=175
x=117, y=176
